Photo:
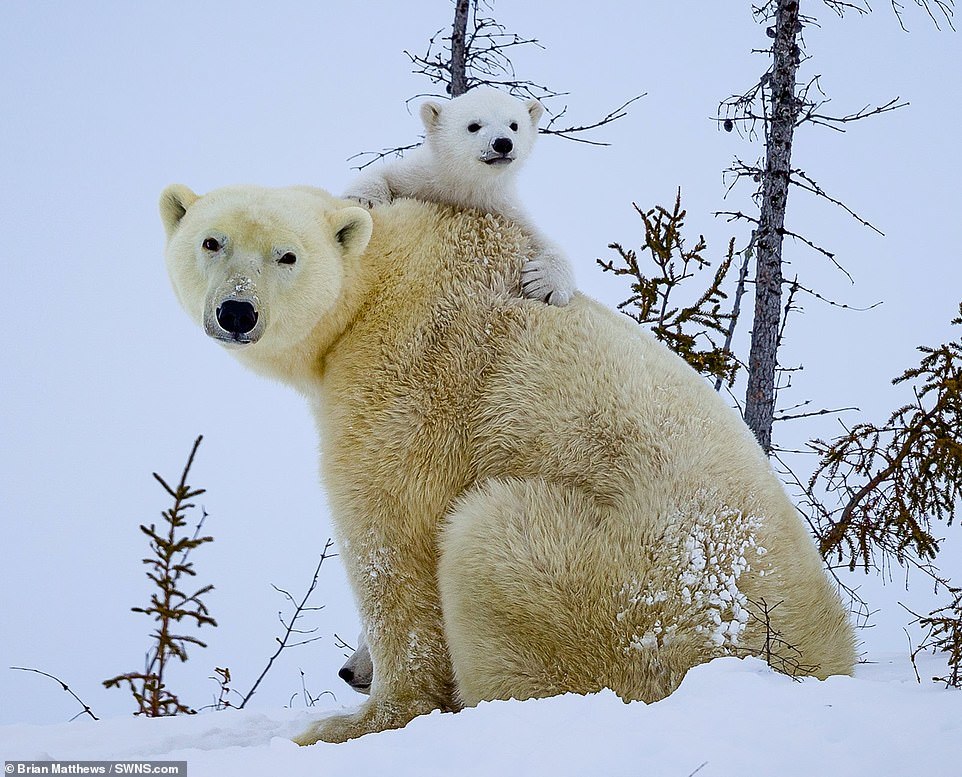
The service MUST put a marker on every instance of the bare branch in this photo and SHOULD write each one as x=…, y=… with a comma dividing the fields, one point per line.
x=301, y=607
x=737, y=303
x=826, y=411
x=943, y=7
x=340, y=642
x=86, y=707
x=377, y=156
x=840, y=7
x=833, y=303
x=736, y=216
x=568, y=133
x=863, y=113
x=804, y=181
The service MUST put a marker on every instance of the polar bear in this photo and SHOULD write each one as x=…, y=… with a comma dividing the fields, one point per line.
x=474, y=146
x=529, y=500
x=358, y=670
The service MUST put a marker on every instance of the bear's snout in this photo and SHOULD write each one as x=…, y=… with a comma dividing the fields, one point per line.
x=502, y=145
x=236, y=317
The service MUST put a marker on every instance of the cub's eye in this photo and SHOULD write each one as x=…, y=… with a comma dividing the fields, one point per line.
x=514, y=126
x=474, y=126
x=287, y=258
x=211, y=244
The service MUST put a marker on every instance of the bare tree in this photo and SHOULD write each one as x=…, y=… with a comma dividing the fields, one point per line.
x=780, y=103
x=889, y=482
x=458, y=67
x=780, y=133
x=477, y=52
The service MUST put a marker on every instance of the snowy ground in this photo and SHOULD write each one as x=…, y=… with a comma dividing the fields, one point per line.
x=730, y=717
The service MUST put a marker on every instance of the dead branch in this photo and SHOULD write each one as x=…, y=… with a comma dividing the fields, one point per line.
x=343, y=644
x=794, y=416
x=944, y=8
x=832, y=122
x=300, y=608
x=377, y=156
x=804, y=181
x=833, y=303
x=737, y=303
x=568, y=133
x=63, y=686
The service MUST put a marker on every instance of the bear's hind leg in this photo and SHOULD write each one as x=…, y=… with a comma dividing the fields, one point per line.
x=528, y=575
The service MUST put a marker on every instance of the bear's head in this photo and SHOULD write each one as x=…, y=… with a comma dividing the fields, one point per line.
x=260, y=268
x=481, y=134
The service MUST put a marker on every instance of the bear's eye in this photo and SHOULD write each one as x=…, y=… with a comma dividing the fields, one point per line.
x=514, y=126
x=211, y=244
x=474, y=126
x=287, y=258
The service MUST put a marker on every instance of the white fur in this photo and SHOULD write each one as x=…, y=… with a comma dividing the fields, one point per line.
x=460, y=164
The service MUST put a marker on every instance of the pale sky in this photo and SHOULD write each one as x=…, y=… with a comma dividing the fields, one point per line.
x=105, y=380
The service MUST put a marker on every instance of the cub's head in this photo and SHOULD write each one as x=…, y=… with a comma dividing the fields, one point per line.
x=483, y=129
x=358, y=670
x=260, y=268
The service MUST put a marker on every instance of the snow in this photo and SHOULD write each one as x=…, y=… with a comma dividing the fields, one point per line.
x=730, y=717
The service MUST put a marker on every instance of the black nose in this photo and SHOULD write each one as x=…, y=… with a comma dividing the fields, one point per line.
x=237, y=316
x=346, y=674
x=502, y=145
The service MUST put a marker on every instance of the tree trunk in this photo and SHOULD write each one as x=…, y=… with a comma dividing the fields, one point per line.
x=780, y=129
x=459, y=76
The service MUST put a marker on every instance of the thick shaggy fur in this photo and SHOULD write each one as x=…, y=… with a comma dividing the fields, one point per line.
x=529, y=499
x=474, y=146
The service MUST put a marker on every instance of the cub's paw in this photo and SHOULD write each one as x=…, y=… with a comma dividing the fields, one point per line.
x=370, y=194
x=367, y=202
x=548, y=277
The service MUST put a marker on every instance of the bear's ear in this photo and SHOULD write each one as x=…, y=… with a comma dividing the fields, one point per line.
x=352, y=228
x=535, y=111
x=431, y=116
x=174, y=202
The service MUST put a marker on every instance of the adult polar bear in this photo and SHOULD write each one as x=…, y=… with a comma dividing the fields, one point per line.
x=529, y=499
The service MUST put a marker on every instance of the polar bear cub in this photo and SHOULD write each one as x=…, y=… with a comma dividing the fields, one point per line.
x=473, y=149
x=358, y=670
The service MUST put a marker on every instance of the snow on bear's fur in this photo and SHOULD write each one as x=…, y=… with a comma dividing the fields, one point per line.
x=474, y=146
x=528, y=499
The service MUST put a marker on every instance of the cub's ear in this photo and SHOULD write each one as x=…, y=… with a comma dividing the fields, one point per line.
x=535, y=111
x=174, y=202
x=431, y=115
x=352, y=228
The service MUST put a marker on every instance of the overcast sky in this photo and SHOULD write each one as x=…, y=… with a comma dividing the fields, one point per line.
x=103, y=379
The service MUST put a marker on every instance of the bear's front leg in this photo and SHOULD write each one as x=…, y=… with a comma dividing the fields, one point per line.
x=395, y=585
x=548, y=276
x=381, y=712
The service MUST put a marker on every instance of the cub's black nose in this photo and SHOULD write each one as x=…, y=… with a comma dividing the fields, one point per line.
x=346, y=674
x=237, y=316
x=502, y=145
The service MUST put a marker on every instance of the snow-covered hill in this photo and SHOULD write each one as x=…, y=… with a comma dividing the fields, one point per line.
x=730, y=717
